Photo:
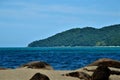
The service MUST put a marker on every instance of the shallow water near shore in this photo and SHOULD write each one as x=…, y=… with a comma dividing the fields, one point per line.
x=60, y=58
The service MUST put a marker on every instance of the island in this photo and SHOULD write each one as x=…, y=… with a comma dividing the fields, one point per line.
x=87, y=36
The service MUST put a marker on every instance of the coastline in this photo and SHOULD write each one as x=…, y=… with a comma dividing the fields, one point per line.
x=26, y=73
x=55, y=47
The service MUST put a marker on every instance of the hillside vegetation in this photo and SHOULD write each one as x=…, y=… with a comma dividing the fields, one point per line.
x=88, y=36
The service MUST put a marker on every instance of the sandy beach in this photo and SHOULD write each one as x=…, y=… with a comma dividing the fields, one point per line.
x=27, y=73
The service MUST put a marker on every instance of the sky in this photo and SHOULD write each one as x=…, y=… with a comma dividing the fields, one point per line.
x=24, y=21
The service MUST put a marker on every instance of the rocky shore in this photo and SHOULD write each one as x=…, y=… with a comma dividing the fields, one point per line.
x=102, y=69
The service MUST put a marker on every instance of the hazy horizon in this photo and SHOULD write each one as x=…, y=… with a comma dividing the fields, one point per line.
x=23, y=21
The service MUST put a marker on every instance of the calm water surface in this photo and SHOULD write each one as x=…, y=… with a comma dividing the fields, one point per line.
x=68, y=58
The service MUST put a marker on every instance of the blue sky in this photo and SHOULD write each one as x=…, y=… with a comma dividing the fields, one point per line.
x=23, y=21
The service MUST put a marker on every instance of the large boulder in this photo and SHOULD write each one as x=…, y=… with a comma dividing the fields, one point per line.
x=106, y=62
x=39, y=76
x=38, y=65
x=101, y=73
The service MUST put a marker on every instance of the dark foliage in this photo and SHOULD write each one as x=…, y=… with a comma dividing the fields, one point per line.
x=88, y=36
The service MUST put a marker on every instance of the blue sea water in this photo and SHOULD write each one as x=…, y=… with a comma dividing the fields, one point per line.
x=61, y=58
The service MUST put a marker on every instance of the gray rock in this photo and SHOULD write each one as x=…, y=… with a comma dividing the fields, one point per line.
x=38, y=65
x=39, y=76
x=80, y=75
x=106, y=62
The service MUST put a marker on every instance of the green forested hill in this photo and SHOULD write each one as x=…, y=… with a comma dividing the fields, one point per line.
x=88, y=36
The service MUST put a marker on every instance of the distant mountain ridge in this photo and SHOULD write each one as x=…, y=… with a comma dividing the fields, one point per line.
x=88, y=36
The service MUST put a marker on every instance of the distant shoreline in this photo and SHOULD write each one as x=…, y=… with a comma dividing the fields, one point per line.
x=67, y=47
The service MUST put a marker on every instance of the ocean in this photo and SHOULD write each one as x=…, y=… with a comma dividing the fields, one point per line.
x=60, y=58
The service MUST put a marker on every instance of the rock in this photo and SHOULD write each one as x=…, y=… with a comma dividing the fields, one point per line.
x=107, y=62
x=38, y=65
x=2, y=68
x=80, y=75
x=101, y=73
x=39, y=76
